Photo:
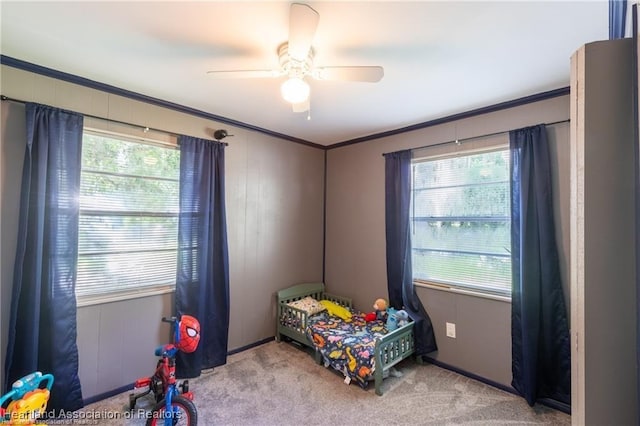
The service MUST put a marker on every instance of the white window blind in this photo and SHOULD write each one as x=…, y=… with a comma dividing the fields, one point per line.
x=460, y=219
x=128, y=217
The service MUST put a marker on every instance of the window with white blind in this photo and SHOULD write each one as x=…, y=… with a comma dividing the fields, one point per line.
x=127, y=244
x=461, y=222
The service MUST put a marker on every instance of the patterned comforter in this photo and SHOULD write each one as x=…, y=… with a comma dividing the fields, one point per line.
x=347, y=345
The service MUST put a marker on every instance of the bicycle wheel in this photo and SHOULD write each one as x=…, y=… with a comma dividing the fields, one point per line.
x=186, y=412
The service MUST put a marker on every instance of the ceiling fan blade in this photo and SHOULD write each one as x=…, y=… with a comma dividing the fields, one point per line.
x=365, y=73
x=303, y=21
x=245, y=74
x=302, y=106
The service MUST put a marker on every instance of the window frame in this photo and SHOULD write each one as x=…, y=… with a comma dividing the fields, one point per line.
x=424, y=155
x=130, y=293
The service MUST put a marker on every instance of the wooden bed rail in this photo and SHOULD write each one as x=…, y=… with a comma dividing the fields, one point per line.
x=291, y=322
x=391, y=349
x=297, y=318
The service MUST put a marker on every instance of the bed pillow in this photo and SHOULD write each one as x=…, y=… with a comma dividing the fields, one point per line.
x=310, y=305
x=336, y=310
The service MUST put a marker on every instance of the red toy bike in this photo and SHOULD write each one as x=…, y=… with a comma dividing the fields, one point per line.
x=174, y=403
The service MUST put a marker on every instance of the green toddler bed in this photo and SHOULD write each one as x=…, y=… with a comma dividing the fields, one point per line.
x=362, y=351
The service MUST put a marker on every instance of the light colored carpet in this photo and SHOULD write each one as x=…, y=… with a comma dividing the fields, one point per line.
x=280, y=384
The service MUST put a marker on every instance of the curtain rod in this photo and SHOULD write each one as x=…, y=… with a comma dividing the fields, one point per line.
x=144, y=128
x=459, y=141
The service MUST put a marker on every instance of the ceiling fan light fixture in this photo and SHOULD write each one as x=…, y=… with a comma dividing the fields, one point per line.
x=295, y=90
x=296, y=60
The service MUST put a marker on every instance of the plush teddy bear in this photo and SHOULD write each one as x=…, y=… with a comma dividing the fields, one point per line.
x=381, y=309
x=380, y=312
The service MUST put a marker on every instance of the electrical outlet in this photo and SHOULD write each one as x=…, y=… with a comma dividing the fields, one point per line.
x=451, y=330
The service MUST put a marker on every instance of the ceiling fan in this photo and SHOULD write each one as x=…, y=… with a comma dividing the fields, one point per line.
x=296, y=62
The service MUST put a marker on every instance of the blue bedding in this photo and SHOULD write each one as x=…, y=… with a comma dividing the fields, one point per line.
x=347, y=345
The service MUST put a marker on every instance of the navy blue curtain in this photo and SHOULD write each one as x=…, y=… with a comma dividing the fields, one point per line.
x=398, y=234
x=540, y=335
x=636, y=115
x=202, y=288
x=617, y=18
x=42, y=324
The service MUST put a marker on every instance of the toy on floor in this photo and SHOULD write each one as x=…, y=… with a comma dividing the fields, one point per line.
x=393, y=372
x=27, y=399
x=173, y=402
x=380, y=312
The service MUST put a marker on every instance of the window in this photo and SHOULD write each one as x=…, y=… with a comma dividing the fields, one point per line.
x=461, y=222
x=128, y=228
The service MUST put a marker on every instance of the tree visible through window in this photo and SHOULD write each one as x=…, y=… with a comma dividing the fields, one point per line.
x=128, y=217
x=460, y=218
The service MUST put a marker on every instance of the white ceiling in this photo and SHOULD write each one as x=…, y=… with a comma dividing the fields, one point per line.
x=439, y=58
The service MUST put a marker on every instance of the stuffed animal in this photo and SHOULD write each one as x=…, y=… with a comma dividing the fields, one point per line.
x=380, y=312
x=392, y=319
x=381, y=309
x=336, y=310
x=402, y=317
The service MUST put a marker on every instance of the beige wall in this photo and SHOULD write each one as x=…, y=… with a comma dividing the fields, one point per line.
x=355, y=240
x=274, y=194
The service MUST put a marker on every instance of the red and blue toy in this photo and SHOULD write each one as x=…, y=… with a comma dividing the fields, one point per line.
x=174, y=403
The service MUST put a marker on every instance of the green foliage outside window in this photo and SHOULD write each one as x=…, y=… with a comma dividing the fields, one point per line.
x=460, y=217
x=128, y=216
